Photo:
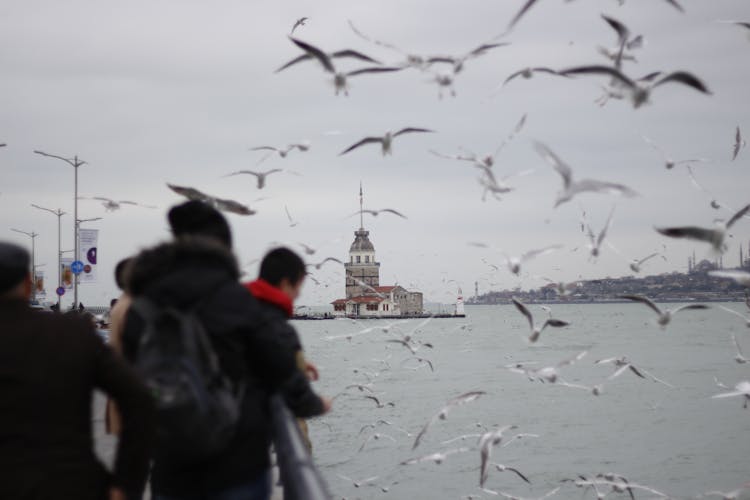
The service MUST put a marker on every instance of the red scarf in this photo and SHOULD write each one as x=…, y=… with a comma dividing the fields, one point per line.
x=263, y=290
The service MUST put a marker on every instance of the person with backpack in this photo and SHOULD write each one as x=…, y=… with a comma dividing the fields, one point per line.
x=50, y=367
x=282, y=274
x=202, y=345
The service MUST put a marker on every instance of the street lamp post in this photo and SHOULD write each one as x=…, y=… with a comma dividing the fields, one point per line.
x=75, y=163
x=59, y=213
x=33, y=236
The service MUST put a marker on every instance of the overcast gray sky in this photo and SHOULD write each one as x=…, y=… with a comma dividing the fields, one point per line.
x=177, y=91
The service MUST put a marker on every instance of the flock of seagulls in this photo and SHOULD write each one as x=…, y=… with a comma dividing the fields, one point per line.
x=622, y=85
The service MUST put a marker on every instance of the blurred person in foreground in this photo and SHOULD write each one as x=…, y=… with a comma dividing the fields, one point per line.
x=119, y=307
x=197, y=274
x=50, y=366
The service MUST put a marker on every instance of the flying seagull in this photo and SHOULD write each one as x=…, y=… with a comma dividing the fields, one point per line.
x=530, y=3
x=741, y=389
x=636, y=264
x=312, y=52
x=741, y=277
x=359, y=483
x=664, y=316
x=623, y=35
x=726, y=495
x=572, y=188
x=739, y=357
x=443, y=413
x=739, y=143
x=411, y=60
x=376, y=436
x=438, y=457
x=260, y=176
x=514, y=263
x=747, y=323
x=327, y=259
x=340, y=81
x=292, y=222
x=375, y=213
x=715, y=204
x=547, y=374
x=217, y=203
x=487, y=441
x=422, y=62
x=487, y=161
x=308, y=249
x=670, y=162
x=742, y=24
x=111, y=205
x=595, y=242
x=386, y=140
x=623, y=364
x=536, y=330
x=529, y=72
x=282, y=152
x=639, y=93
x=299, y=22
x=458, y=61
x=513, y=497
x=713, y=236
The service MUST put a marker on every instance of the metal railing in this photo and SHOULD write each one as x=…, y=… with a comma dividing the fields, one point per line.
x=299, y=476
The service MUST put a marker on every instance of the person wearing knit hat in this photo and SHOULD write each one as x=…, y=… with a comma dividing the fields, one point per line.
x=195, y=218
x=50, y=367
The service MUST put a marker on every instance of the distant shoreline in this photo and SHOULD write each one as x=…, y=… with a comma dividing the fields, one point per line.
x=667, y=300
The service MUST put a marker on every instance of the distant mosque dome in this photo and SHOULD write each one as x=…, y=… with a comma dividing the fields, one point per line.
x=361, y=242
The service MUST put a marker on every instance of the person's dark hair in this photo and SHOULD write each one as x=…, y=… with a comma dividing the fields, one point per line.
x=112, y=303
x=121, y=272
x=282, y=263
x=196, y=218
x=14, y=266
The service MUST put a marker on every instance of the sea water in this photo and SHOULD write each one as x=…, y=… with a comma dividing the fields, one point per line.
x=676, y=440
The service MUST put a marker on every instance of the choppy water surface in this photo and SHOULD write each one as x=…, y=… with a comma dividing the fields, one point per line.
x=676, y=440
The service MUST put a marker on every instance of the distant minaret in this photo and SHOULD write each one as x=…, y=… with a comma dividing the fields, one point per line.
x=742, y=261
x=476, y=290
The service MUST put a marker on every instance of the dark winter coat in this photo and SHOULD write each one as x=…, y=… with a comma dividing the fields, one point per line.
x=50, y=365
x=180, y=274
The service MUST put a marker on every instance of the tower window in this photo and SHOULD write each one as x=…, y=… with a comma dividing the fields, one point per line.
x=358, y=259
x=367, y=258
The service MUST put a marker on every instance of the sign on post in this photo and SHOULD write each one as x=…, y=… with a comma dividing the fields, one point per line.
x=76, y=267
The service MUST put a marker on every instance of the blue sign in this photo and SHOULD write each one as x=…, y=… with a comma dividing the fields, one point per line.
x=60, y=291
x=76, y=267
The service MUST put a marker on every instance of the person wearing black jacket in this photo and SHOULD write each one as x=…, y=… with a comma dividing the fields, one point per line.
x=282, y=274
x=194, y=269
x=50, y=365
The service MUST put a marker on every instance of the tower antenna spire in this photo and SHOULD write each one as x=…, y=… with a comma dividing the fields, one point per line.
x=361, y=210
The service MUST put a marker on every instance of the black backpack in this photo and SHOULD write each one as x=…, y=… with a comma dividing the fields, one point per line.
x=197, y=405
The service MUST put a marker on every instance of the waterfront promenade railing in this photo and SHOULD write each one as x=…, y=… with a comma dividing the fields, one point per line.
x=299, y=476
